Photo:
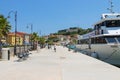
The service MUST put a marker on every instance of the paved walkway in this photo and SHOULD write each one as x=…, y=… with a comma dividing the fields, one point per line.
x=61, y=65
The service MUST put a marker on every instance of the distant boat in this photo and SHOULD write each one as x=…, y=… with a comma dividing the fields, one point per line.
x=104, y=42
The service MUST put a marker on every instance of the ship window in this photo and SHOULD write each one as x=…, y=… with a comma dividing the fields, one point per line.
x=113, y=23
x=118, y=39
x=98, y=40
x=85, y=41
x=111, y=40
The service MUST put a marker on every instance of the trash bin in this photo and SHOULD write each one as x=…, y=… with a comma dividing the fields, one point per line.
x=5, y=54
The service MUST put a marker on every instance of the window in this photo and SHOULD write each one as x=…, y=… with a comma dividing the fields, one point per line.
x=85, y=41
x=111, y=40
x=113, y=23
x=118, y=39
x=98, y=40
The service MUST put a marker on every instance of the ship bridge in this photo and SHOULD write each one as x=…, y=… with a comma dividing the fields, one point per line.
x=109, y=24
x=110, y=15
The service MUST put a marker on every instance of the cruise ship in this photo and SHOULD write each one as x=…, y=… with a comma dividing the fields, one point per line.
x=104, y=41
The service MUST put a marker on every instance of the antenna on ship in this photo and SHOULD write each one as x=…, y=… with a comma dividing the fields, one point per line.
x=111, y=6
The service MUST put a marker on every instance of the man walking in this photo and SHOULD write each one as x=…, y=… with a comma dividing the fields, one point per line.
x=54, y=48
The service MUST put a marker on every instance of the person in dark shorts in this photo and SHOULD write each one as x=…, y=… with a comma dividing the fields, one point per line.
x=54, y=48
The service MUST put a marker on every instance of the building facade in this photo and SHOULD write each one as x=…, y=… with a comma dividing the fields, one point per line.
x=21, y=38
x=11, y=39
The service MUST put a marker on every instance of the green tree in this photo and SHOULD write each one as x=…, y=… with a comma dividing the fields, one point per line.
x=50, y=42
x=84, y=31
x=89, y=30
x=34, y=40
x=34, y=37
x=42, y=40
x=53, y=39
x=5, y=27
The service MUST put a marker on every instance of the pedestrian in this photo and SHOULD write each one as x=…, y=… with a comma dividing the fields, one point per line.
x=55, y=48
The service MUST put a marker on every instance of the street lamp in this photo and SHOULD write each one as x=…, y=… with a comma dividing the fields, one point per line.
x=31, y=27
x=15, y=14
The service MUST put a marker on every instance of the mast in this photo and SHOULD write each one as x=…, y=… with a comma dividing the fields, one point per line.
x=111, y=6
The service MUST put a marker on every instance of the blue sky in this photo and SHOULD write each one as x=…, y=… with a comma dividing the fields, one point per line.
x=49, y=16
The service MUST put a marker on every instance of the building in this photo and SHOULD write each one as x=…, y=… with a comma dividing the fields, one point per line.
x=21, y=38
x=26, y=38
x=11, y=39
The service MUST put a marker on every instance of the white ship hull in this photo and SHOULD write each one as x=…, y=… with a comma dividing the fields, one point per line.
x=109, y=53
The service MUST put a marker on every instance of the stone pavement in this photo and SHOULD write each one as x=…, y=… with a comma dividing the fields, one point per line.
x=61, y=65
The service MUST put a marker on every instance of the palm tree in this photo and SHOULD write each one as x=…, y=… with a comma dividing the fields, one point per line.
x=41, y=41
x=4, y=28
x=34, y=39
x=34, y=36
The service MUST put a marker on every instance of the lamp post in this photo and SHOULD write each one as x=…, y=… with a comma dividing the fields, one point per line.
x=15, y=15
x=31, y=27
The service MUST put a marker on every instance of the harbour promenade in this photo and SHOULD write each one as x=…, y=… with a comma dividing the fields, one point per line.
x=45, y=64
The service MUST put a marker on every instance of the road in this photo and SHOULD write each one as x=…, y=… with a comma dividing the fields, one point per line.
x=45, y=64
